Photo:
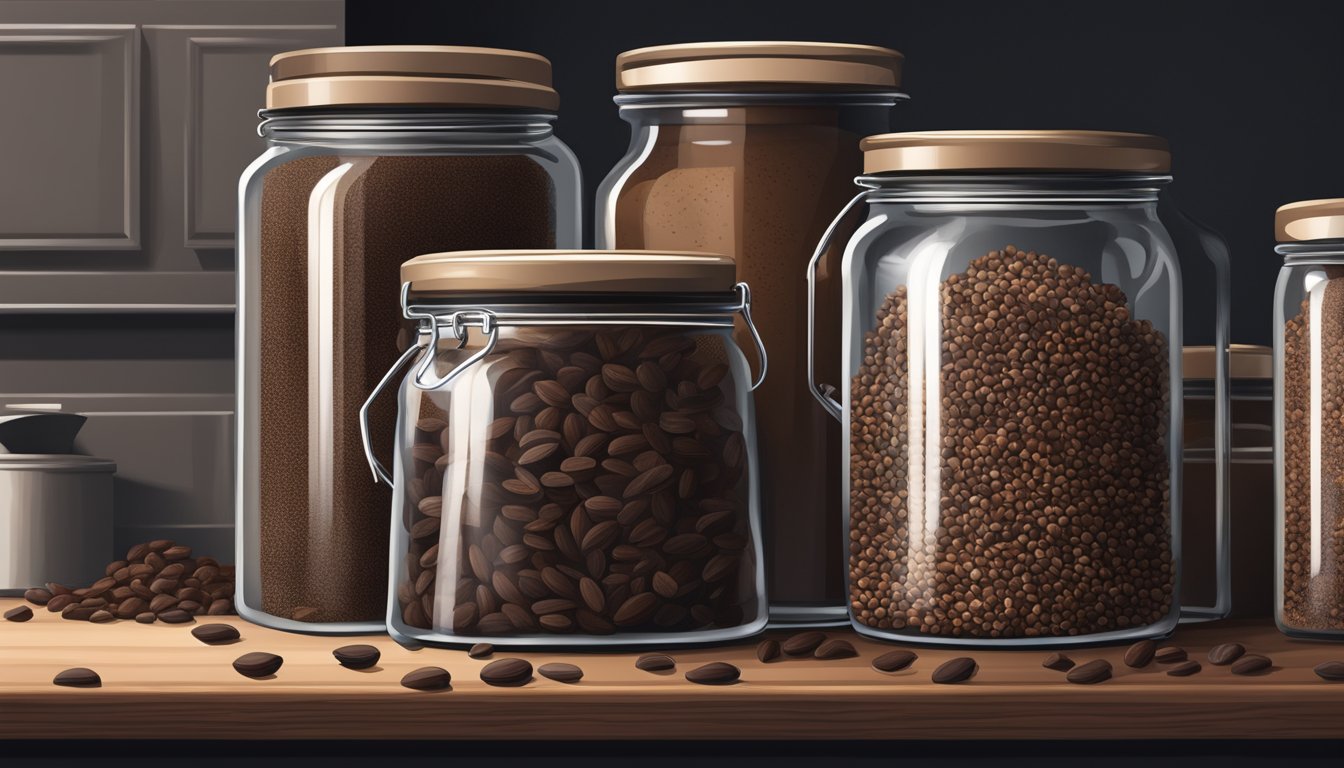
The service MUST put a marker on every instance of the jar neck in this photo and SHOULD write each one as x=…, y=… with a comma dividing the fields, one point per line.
x=361, y=127
x=1010, y=187
x=1312, y=252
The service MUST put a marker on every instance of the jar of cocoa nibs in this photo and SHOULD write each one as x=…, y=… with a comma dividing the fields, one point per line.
x=575, y=460
x=1011, y=361
x=376, y=155
x=746, y=149
x=1309, y=418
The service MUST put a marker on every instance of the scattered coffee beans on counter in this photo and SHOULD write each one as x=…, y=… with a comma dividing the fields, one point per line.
x=359, y=656
x=835, y=649
x=507, y=672
x=957, y=670
x=146, y=617
x=894, y=661
x=655, y=662
x=21, y=613
x=767, y=651
x=1170, y=654
x=1330, y=670
x=803, y=643
x=1140, y=654
x=714, y=673
x=1251, y=664
x=1058, y=662
x=78, y=677
x=176, y=616
x=215, y=634
x=37, y=596
x=1091, y=673
x=1222, y=655
x=257, y=664
x=428, y=679
x=561, y=672
x=1049, y=386
x=102, y=616
x=481, y=651
x=1185, y=669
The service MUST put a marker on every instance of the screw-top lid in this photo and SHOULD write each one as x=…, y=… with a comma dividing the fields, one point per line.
x=411, y=75
x=1310, y=220
x=1244, y=361
x=1047, y=151
x=759, y=66
x=537, y=272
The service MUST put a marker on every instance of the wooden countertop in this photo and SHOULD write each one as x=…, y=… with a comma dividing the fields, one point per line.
x=153, y=674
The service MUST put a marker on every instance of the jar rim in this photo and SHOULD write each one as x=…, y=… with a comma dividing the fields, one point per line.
x=551, y=272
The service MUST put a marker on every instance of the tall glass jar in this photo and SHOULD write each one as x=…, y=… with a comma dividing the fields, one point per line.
x=575, y=459
x=375, y=155
x=1012, y=364
x=1309, y=418
x=747, y=149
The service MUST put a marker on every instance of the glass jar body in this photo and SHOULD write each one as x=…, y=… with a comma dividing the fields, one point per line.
x=579, y=485
x=1309, y=440
x=327, y=215
x=758, y=177
x=1012, y=410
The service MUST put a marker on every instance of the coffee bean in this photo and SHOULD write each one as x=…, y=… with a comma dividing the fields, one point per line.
x=215, y=634
x=21, y=613
x=78, y=677
x=77, y=613
x=894, y=661
x=1250, y=664
x=257, y=664
x=1140, y=654
x=428, y=679
x=58, y=602
x=1222, y=655
x=1091, y=673
x=101, y=616
x=767, y=650
x=1058, y=662
x=176, y=616
x=957, y=670
x=1330, y=670
x=37, y=596
x=1169, y=654
x=507, y=672
x=561, y=672
x=147, y=617
x=481, y=651
x=803, y=643
x=357, y=656
x=714, y=673
x=835, y=649
x=655, y=662
x=1185, y=669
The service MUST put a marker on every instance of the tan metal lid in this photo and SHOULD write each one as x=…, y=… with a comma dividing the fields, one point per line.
x=1309, y=220
x=569, y=272
x=411, y=75
x=1245, y=361
x=759, y=66
x=1015, y=151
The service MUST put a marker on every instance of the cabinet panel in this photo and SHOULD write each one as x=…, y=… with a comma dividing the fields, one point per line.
x=71, y=142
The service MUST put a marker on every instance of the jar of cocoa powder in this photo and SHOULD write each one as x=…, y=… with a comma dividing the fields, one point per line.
x=575, y=460
x=375, y=155
x=747, y=149
x=1309, y=418
x=1011, y=389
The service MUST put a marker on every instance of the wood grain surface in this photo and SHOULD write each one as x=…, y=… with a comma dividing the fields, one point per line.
x=151, y=674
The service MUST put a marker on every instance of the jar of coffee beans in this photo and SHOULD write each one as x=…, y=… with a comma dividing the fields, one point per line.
x=1309, y=418
x=575, y=458
x=1010, y=353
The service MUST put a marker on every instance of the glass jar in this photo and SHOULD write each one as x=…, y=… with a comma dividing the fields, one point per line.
x=575, y=459
x=746, y=149
x=375, y=155
x=1011, y=348
x=1222, y=526
x=1308, y=425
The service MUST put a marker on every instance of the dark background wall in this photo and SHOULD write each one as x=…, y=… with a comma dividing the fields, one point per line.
x=1246, y=92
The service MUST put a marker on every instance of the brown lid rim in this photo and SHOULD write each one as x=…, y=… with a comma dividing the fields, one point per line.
x=390, y=90
x=568, y=271
x=1307, y=220
x=445, y=60
x=761, y=65
x=1032, y=150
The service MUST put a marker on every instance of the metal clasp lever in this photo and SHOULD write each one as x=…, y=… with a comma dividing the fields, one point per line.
x=823, y=392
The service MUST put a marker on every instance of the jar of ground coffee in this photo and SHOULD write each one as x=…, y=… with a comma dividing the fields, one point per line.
x=1010, y=355
x=375, y=155
x=747, y=149
x=575, y=460
x=1309, y=418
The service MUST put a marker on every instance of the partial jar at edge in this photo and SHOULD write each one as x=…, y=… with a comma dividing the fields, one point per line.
x=735, y=153
x=362, y=173
x=1308, y=426
x=1011, y=358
